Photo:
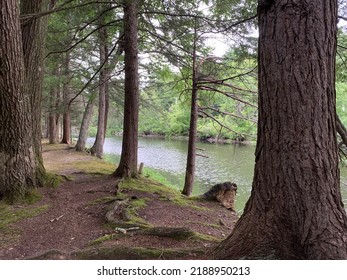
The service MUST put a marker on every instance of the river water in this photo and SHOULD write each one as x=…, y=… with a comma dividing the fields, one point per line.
x=233, y=163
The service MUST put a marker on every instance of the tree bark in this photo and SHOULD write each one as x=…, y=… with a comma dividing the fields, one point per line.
x=33, y=41
x=295, y=210
x=17, y=154
x=52, y=118
x=66, y=139
x=98, y=146
x=191, y=155
x=128, y=162
x=83, y=135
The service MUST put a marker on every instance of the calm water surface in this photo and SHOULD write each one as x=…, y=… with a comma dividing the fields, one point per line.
x=224, y=163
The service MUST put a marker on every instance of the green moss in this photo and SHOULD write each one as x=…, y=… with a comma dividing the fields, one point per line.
x=32, y=196
x=210, y=225
x=178, y=234
x=143, y=184
x=165, y=193
x=54, y=147
x=11, y=214
x=131, y=211
x=104, y=238
x=136, y=253
x=205, y=237
x=168, y=232
x=103, y=200
x=52, y=180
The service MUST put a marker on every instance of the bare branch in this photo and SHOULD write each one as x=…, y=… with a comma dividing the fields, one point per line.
x=227, y=113
x=217, y=121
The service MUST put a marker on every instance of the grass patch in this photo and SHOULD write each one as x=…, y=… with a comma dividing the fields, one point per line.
x=94, y=166
x=166, y=193
x=156, y=176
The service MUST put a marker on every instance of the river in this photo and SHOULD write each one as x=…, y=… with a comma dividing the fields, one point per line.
x=233, y=163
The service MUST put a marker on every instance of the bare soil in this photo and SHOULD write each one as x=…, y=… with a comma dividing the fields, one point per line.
x=72, y=226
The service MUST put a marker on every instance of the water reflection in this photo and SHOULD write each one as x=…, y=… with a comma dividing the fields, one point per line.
x=224, y=163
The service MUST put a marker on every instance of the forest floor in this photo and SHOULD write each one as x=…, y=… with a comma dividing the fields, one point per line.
x=69, y=222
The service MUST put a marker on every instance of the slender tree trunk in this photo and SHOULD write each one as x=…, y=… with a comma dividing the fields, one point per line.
x=295, y=210
x=66, y=138
x=52, y=128
x=191, y=156
x=128, y=162
x=53, y=122
x=17, y=152
x=98, y=147
x=52, y=119
x=83, y=135
x=107, y=101
x=341, y=130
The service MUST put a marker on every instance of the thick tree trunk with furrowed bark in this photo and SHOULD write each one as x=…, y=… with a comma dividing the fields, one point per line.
x=17, y=152
x=128, y=162
x=33, y=41
x=295, y=210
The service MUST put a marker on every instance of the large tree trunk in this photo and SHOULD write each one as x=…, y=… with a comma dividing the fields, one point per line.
x=295, y=210
x=83, y=135
x=128, y=162
x=33, y=38
x=17, y=153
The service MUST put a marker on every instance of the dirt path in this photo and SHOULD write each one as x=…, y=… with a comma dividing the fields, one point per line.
x=76, y=216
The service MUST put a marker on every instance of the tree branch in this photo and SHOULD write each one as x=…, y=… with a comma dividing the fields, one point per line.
x=228, y=94
x=28, y=17
x=217, y=121
x=94, y=75
x=83, y=39
x=227, y=113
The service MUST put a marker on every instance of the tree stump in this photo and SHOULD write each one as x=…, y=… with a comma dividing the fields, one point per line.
x=224, y=193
